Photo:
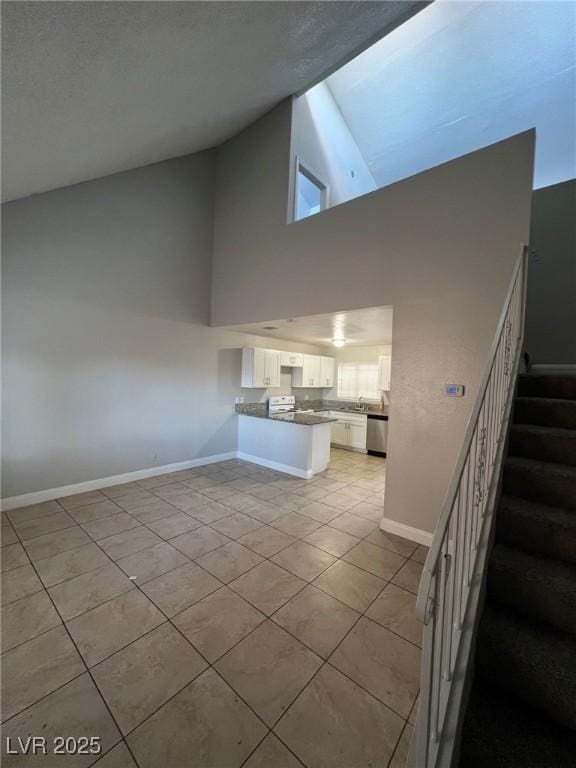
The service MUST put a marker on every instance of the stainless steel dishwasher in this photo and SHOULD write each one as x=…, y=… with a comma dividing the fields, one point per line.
x=377, y=434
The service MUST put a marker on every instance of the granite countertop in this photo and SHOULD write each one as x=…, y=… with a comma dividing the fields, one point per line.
x=305, y=419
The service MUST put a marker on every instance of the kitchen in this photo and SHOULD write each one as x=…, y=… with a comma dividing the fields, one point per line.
x=311, y=403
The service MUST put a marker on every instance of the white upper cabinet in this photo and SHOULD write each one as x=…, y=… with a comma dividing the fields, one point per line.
x=327, y=371
x=260, y=367
x=291, y=359
x=384, y=368
x=309, y=374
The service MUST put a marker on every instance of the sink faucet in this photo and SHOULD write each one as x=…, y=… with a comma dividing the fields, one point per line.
x=361, y=405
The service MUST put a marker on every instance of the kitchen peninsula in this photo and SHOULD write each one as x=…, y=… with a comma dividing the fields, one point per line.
x=295, y=443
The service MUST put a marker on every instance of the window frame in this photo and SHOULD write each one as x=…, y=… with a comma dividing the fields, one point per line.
x=316, y=179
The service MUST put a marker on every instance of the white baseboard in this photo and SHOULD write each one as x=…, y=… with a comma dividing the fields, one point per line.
x=306, y=474
x=550, y=368
x=26, y=499
x=406, y=531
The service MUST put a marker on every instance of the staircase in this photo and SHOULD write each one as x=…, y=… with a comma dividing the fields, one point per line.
x=522, y=706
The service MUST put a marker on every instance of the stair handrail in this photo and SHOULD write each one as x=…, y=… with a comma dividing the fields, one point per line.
x=449, y=569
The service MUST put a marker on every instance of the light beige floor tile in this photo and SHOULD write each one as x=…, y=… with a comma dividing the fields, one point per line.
x=36, y=668
x=199, y=541
x=92, y=512
x=381, y=562
x=136, y=499
x=240, y=501
x=351, y=585
x=311, y=493
x=394, y=543
x=150, y=483
x=30, y=529
x=267, y=493
x=304, y=560
x=319, y=511
x=76, y=709
x=73, y=562
x=168, y=490
x=118, y=757
x=381, y=662
x=336, y=724
x=414, y=713
x=219, y=492
x=128, y=542
x=7, y=534
x=120, y=491
x=331, y=540
x=199, y=482
x=339, y=501
x=403, y=748
x=108, y=628
x=265, y=511
x=267, y=586
x=152, y=562
x=137, y=680
x=296, y=525
x=175, y=591
x=271, y=753
x=206, y=723
x=27, y=618
x=209, y=513
x=18, y=583
x=188, y=502
x=108, y=526
x=82, y=593
x=268, y=669
x=267, y=541
x=395, y=609
x=54, y=543
x=175, y=525
x=218, y=622
x=291, y=502
x=420, y=554
x=408, y=577
x=78, y=500
x=33, y=512
x=369, y=511
x=316, y=619
x=151, y=512
x=350, y=523
x=236, y=525
x=229, y=562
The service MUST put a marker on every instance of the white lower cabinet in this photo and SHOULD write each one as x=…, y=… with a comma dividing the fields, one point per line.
x=349, y=431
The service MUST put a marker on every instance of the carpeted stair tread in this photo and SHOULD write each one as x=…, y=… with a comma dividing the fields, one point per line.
x=562, y=386
x=537, y=528
x=554, y=444
x=545, y=411
x=501, y=732
x=534, y=586
x=545, y=482
x=532, y=661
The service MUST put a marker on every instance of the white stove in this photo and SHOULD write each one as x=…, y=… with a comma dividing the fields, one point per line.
x=284, y=404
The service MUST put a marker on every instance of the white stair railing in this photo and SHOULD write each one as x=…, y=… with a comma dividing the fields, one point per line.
x=449, y=589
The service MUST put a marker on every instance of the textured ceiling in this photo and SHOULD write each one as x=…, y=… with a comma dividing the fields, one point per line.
x=460, y=76
x=360, y=327
x=91, y=88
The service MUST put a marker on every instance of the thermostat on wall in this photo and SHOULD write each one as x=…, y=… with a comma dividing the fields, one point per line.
x=455, y=390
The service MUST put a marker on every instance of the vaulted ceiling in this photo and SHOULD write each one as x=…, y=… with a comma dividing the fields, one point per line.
x=91, y=88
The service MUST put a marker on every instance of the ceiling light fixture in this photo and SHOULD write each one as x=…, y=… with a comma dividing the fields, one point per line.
x=338, y=342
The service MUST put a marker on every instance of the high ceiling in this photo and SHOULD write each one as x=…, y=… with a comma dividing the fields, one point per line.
x=359, y=327
x=460, y=76
x=91, y=88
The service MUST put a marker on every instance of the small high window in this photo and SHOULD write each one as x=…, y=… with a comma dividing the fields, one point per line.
x=311, y=194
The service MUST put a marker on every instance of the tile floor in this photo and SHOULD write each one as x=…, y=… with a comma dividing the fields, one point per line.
x=219, y=617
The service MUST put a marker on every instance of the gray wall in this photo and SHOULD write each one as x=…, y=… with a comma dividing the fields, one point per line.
x=440, y=247
x=551, y=315
x=109, y=364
